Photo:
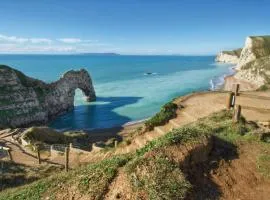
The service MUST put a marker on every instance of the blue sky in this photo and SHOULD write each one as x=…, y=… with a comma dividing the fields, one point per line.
x=192, y=27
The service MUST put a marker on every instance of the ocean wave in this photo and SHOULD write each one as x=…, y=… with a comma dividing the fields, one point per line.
x=218, y=81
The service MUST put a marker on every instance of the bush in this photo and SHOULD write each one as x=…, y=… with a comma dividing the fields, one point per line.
x=263, y=88
x=50, y=136
x=167, y=112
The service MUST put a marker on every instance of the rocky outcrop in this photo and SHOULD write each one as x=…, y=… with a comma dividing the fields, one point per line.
x=253, y=67
x=229, y=56
x=25, y=101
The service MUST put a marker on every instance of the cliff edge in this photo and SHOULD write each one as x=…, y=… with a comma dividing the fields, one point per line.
x=27, y=101
x=253, y=65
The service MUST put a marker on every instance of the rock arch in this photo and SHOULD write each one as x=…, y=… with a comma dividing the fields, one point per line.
x=27, y=101
x=61, y=97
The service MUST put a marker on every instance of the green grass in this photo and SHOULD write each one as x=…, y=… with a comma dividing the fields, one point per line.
x=167, y=112
x=158, y=177
x=150, y=171
x=50, y=136
x=263, y=88
x=97, y=177
x=263, y=164
x=219, y=124
x=91, y=180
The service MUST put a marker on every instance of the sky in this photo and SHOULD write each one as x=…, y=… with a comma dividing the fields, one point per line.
x=186, y=27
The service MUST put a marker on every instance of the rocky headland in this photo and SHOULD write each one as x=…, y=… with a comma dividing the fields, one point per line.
x=253, y=64
x=229, y=56
x=26, y=101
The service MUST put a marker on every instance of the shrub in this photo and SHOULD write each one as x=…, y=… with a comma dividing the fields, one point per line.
x=263, y=88
x=47, y=135
x=167, y=112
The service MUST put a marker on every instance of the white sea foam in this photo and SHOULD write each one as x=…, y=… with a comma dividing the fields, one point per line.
x=218, y=81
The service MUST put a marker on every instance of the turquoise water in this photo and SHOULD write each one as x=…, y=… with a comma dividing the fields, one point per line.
x=125, y=90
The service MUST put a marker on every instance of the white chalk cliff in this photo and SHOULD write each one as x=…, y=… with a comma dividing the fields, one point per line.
x=229, y=56
x=253, y=66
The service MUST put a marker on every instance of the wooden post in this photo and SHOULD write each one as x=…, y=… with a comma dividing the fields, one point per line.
x=237, y=114
x=38, y=154
x=9, y=154
x=115, y=143
x=67, y=158
x=229, y=101
x=236, y=89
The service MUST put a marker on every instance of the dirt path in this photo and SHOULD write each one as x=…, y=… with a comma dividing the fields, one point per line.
x=240, y=179
x=236, y=178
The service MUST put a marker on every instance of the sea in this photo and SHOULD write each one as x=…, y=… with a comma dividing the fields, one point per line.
x=128, y=88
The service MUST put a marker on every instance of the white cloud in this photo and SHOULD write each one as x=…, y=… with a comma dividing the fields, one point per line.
x=14, y=44
x=15, y=48
x=77, y=40
x=13, y=39
x=40, y=40
x=70, y=40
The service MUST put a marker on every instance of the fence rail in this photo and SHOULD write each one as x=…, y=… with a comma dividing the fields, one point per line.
x=253, y=96
x=262, y=110
x=231, y=102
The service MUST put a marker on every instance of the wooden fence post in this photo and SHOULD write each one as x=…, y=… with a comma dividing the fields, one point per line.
x=9, y=154
x=38, y=154
x=115, y=143
x=236, y=89
x=237, y=113
x=229, y=101
x=67, y=158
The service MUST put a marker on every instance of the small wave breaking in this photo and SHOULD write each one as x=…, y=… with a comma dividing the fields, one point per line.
x=217, y=82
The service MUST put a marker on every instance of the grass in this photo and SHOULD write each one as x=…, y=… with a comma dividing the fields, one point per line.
x=97, y=177
x=91, y=180
x=263, y=164
x=236, y=52
x=167, y=112
x=263, y=88
x=158, y=177
x=153, y=174
x=219, y=124
x=14, y=174
x=150, y=171
x=50, y=136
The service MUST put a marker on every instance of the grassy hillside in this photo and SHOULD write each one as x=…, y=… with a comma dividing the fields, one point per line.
x=160, y=170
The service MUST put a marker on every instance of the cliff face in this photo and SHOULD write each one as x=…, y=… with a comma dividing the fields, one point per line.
x=255, y=47
x=253, y=67
x=25, y=101
x=229, y=56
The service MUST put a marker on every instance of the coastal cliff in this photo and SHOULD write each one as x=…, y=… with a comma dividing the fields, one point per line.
x=253, y=66
x=229, y=56
x=26, y=101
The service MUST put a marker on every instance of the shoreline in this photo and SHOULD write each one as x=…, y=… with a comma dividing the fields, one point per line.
x=230, y=81
x=121, y=130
